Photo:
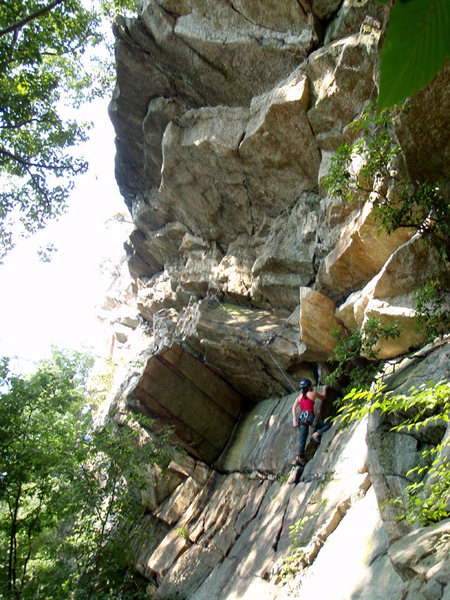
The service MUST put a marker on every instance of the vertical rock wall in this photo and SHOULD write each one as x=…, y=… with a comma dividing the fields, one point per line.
x=226, y=115
x=242, y=528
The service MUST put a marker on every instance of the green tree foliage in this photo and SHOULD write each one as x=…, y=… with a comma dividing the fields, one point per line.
x=107, y=505
x=44, y=64
x=355, y=357
x=397, y=202
x=69, y=491
x=415, y=48
x=433, y=309
x=39, y=430
x=427, y=497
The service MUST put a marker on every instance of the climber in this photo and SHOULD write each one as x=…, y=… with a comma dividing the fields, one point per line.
x=307, y=418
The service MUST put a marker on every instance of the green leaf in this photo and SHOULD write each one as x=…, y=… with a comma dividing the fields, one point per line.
x=416, y=46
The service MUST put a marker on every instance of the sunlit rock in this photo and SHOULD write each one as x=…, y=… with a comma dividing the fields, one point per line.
x=390, y=296
x=254, y=162
x=360, y=253
x=233, y=275
x=342, y=80
x=317, y=321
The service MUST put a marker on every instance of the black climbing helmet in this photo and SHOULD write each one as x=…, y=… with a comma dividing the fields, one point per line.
x=305, y=383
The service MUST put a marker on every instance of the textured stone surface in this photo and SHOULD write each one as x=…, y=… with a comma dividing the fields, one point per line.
x=317, y=321
x=325, y=8
x=422, y=130
x=227, y=115
x=263, y=442
x=358, y=256
x=192, y=55
x=342, y=81
x=286, y=259
x=238, y=153
x=393, y=454
x=179, y=390
x=425, y=555
x=254, y=350
x=411, y=336
x=363, y=570
x=390, y=296
x=232, y=530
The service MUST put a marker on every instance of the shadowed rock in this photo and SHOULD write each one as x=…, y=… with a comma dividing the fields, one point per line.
x=183, y=393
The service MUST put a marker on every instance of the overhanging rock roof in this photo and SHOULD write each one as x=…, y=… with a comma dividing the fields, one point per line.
x=178, y=390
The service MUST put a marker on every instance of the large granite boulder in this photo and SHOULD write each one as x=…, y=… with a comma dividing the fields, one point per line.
x=219, y=47
x=342, y=80
x=360, y=253
x=238, y=153
x=390, y=296
x=317, y=322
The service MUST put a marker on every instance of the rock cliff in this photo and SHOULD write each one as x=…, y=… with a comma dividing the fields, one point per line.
x=227, y=114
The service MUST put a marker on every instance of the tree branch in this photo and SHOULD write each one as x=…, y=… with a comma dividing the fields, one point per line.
x=28, y=164
x=17, y=26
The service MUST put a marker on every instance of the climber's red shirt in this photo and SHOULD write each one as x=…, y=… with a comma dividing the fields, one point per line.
x=306, y=404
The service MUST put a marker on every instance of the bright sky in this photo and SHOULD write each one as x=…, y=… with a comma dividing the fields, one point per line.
x=57, y=303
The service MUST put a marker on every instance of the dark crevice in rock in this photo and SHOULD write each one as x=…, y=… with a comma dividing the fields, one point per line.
x=204, y=59
x=378, y=555
x=302, y=8
x=249, y=198
x=237, y=11
x=279, y=532
x=168, y=12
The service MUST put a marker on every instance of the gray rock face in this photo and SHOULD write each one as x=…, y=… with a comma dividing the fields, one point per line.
x=342, y=81
x=227, y=115
x=237, y=154
x=421, y=130
x=359, y=255
x=186, y=53
x=175, y=388
x=390, y=296
x=239, y=527
x=393, y=454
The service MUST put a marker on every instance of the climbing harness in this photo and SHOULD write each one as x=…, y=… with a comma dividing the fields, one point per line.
x=306, y=417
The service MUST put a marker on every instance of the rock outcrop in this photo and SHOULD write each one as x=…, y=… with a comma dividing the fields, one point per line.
x=239, y=528
x=227, y=115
